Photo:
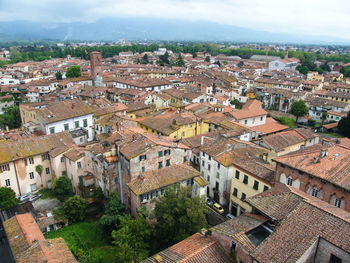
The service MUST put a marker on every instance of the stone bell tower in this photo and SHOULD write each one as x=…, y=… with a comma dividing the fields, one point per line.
x=96, y=68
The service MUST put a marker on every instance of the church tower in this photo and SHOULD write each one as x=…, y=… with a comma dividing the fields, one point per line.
x=96, y=68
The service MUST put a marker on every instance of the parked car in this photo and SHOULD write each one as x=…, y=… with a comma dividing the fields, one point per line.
x=23, y=198
x=209, y=201
x=230, y=216
x=218, y=208
x=34, y=197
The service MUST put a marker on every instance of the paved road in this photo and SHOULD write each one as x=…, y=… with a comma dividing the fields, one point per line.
x=214, y=218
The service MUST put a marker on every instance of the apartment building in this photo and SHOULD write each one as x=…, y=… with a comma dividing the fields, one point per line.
x=58, y=116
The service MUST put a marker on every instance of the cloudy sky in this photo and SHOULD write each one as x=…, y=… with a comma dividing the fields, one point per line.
x=304, y=17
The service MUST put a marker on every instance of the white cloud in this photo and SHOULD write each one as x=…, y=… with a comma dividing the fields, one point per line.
x=305, y=17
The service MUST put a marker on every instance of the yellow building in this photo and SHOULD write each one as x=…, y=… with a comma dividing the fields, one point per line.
x=175, y=125
x=250, y=177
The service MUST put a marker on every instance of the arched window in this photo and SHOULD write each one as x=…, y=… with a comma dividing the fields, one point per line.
x=290, y=181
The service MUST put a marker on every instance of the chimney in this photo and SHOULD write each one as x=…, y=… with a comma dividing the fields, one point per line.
x=202, y=140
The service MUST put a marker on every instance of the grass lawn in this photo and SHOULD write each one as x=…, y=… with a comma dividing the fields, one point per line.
x=46, y=194
x=90, y=236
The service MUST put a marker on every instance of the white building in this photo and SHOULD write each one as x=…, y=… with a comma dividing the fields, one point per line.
x=284, y=64
x=54, y=117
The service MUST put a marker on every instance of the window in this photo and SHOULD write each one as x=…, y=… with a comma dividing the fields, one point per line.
x=4, y=167
x=245, y=122
x=185, y=159
x=203, y=154
x=235, y=191
x=219, y=166
x=261, y=118
x=31, y=175
x=290, y=181
x=52, y=130
x=160, y=164
x=167, y=162
x=7, y=182
x=30, y=160
x=208, y=178
x=79, y=165
x=183, y=134
x=217, y=186
x=167, y=152
x=142, y=169
x=47, y=170
x=237, y=175
x=33, y=187
x=338, y=202
x=62, y=159
x=209, y=166
x=202, y=162
x=45, y=157
x=160, y=153
x=85, y=123
x=334, y=259
x=218, y=175
x=243, y=197
x=76, y=124
x=209, y=158
x=142, y=157
x=256, y=185
x=233, y=246
x=245, y=179
x=266, y=188
x=66, y=126
x=314, y=192
x=242, y=210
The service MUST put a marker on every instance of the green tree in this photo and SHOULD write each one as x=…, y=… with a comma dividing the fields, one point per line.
x=178, y=216
x=179, y=61
x=73, y=210
x=7, y=198
x=73, y=72
x=299, y=109
x=345, y=71
x=62, y=188
x=132, y=239
x=145, y=59
x=237, y=103
x=164, y=59
x=344, y=126
x=98, y=195
x=2, y=63
x=11, y=117
x=207, y=59
x=319, y=70
x=325, y=67
x=302, y=69
x=39, y=169
x=112, y=213
x=58, y=75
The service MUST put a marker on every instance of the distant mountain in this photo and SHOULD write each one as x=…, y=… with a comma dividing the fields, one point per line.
x=147, y=29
